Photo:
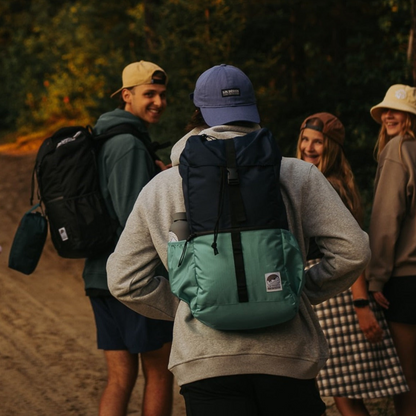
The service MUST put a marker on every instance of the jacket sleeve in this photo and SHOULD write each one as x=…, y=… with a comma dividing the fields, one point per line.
x=344, y=245
x=131, y=267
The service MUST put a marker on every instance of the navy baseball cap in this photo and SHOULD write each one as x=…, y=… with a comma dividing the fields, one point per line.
x=224, y=94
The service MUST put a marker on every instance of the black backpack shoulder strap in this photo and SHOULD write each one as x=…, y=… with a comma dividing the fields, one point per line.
x=126, y=128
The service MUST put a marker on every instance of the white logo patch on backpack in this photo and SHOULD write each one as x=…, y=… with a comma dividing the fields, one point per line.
x=273, y=282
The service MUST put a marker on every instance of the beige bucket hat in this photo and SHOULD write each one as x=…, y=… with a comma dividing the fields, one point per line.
x=140, y=73
x=398, y=97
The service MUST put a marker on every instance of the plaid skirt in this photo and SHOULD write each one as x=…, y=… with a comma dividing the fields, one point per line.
x=356, y=368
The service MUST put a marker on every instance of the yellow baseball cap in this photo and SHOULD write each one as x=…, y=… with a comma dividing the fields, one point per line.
x=140, y=73
x=398, y=97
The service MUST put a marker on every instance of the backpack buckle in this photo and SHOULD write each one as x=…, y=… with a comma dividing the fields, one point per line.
x=233, y=176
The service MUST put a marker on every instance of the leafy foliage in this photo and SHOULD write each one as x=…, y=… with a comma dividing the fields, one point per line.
x=62, y=60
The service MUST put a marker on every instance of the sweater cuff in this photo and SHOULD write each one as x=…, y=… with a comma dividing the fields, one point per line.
x=375, y=286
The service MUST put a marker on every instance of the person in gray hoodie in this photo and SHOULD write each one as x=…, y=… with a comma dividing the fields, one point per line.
x=265, y=371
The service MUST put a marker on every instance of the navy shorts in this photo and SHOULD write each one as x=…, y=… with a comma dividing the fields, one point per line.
x=120, y=328
x=252, y=395
x=400, y=291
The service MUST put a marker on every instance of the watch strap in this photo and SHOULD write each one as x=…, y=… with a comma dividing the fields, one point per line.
x=361, y=303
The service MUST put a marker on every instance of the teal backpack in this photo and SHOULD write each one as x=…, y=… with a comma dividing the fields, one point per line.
x=240, y=267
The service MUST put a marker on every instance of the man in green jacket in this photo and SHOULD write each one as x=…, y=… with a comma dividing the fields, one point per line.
x=125, y=167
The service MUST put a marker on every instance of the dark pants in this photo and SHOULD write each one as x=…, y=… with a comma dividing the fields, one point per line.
x=252, y=395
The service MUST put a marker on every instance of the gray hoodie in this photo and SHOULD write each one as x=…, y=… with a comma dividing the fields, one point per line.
x=294, y=349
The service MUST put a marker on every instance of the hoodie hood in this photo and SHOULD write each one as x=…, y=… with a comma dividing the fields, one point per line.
x=219, y=132
x=116, y=117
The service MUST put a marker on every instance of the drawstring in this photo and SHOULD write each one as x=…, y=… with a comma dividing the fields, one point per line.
x=217, y=223
x=183, y=253
x=219, y=212
x=184, y=248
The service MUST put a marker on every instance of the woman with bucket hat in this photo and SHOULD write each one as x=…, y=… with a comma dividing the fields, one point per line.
x=392, y=271
x=362, y=356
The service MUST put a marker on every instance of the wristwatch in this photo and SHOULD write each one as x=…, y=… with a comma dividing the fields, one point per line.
x=361, y=303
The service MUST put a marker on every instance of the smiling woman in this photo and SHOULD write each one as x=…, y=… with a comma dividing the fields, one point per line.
x=320, y=142
x=312, y=144
x=394, y=121
x=352, y=321
x=396, y=114
x=392, y=270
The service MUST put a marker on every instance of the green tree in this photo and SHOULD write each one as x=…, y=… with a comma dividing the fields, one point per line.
x=62, y=60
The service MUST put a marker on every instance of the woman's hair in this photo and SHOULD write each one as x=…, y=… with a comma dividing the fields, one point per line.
x=335, y=167
x=408, y=133
x=197, y=120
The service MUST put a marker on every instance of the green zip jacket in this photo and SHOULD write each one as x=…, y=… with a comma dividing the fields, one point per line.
x=124, y=167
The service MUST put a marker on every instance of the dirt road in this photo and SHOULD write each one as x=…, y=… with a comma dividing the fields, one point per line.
x=49, y=363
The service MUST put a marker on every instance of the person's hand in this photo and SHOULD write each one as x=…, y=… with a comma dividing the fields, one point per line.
x=369, y=325
x=162, y=166
x=381, y=300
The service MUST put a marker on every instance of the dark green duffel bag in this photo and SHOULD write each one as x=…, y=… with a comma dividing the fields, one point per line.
x=28, y=242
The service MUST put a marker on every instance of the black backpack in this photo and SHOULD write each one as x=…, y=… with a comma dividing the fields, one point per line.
x=68, y=189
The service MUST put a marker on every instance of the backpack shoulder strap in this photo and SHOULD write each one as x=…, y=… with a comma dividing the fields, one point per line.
x=126, y=128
